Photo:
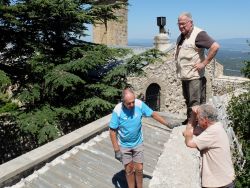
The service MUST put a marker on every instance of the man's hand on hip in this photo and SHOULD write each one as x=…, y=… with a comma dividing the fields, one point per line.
x=199, y=66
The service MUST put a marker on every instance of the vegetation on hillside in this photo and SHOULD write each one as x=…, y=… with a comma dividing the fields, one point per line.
x=52, y=81
x=239, y=114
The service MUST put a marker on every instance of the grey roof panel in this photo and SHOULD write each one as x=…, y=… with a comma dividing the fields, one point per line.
x=92, y=164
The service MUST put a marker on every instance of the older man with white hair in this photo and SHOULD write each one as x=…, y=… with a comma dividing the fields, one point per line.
x=191, y=60
x=213, y=142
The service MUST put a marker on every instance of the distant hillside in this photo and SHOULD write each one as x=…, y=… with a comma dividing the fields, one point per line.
x=238, y=44
x=232, y=61
x=231, y=54
x=141, y=42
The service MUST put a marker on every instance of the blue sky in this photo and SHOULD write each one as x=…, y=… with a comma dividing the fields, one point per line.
x=220, y=18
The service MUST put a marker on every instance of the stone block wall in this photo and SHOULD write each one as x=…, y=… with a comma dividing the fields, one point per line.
x=115, y=33
x=226, y=84
x=171, y=98
x=178, y=165
x=163, y=74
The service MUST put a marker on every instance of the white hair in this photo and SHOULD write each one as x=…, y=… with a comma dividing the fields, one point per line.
x=209, y=112
x=187, y=14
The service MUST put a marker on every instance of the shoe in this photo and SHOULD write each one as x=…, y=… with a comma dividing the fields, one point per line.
x=185, y=122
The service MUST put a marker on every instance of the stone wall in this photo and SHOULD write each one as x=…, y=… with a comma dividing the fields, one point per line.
x=164, y=74
x=178, y=165
x=115, y=32
x=225, y=84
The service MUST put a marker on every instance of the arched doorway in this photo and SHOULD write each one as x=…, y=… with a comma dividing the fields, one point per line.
x=153, y=96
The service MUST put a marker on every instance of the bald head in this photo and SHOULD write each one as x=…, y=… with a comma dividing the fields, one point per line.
x=128, y=98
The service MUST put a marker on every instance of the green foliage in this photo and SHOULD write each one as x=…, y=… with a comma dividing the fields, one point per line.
x=4, y=81
x=117, y=77
x=102, y=13
x=246, y=70
x=30, y=94
x=92, y=108
x=5, y=104
x=62, y=81
x=41, y=122
x=104, y=91
x=239, y=111
x=239, y=114
x=8, y=107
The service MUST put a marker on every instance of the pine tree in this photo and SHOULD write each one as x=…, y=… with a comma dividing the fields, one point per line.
x=62, y=82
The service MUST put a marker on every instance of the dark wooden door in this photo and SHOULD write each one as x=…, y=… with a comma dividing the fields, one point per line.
x=153, y=96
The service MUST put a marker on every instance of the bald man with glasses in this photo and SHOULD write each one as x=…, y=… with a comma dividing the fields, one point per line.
x=191, y=60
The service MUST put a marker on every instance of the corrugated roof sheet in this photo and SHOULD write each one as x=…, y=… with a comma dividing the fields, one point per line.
x=92, y=164
x=89, y=164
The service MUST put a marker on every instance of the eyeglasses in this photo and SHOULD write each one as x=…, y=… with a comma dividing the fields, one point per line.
x=183, y=24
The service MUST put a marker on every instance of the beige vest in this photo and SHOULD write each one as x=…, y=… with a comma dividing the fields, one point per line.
x=187, y=55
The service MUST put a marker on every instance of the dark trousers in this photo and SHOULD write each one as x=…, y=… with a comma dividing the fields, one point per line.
x=194, y=92
x=230, y=185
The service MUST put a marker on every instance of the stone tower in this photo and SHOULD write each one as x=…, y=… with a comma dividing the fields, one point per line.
x=116, y=32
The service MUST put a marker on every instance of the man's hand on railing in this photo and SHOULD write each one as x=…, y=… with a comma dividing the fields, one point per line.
x=118, y=155
x=172, y=124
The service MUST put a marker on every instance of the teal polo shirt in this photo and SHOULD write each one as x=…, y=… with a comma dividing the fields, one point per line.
x=128, y=123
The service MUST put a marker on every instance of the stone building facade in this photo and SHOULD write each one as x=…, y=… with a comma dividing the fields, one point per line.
x=160, y=87
x=162, y=90
x=115, y=32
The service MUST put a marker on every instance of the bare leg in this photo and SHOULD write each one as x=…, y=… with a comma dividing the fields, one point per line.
x=130, y=175
x=139, y=174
